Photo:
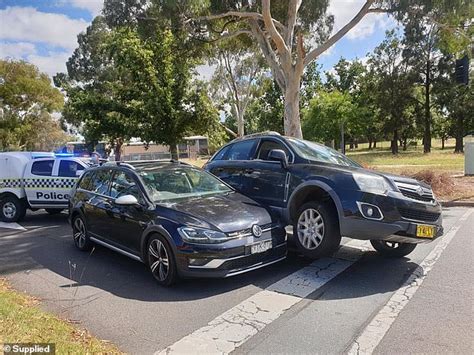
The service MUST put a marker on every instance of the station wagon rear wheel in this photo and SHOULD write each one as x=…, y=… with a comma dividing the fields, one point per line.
x=316, y=230
x=80, y=235
x=392, y=249
x=161, y=261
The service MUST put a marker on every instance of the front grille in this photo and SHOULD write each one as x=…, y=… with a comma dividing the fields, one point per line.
x=425, y=197
x=248, y=231
x=424, y=216
x=253, y=259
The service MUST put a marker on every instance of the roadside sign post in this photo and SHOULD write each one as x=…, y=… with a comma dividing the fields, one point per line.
x=469, y=159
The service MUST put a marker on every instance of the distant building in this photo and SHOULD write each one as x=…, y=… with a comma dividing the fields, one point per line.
x=193, y=147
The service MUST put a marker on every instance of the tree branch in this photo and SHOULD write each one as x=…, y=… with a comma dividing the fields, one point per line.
x=315, y=53
x=293, y=8
x=268, y=53
x=240, y=14
x=274, y=34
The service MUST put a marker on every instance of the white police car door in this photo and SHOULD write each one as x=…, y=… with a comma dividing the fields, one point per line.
x=50, y=182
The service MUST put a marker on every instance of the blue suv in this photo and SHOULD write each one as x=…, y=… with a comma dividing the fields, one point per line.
x=325, y=195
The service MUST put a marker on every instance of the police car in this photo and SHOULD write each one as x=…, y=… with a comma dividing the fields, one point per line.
x=36, y=180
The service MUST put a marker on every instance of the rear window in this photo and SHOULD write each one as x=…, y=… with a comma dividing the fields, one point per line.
x=43, y=168
x=240, y=150
x=100, y=182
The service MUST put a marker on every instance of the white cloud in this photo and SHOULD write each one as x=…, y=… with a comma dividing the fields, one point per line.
x=29, y=24
x=93, y=6
x=345, y=10
x=16, y=50
x=51, y=64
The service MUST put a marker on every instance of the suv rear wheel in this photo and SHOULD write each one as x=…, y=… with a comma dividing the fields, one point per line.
x=316, y=230
x=393, y=249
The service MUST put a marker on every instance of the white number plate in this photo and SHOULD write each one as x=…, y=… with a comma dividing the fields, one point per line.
x=261, y=247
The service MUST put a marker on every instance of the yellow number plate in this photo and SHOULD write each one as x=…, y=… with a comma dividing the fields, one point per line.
x=424, y=231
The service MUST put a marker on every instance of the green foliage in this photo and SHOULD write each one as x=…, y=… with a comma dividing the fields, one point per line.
x=27, y=101
x=326, y=114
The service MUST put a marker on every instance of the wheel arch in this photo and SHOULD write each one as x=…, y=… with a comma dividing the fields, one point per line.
x=148, y=233
x=313, y=190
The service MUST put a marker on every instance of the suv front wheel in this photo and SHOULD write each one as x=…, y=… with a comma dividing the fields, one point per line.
x=316, y=230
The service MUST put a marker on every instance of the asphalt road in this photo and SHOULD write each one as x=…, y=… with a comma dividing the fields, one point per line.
x=354, y=302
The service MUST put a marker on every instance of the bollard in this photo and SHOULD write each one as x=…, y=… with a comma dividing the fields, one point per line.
x=469, y=159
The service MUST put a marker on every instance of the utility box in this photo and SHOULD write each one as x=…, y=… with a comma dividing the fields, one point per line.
x=469, y=159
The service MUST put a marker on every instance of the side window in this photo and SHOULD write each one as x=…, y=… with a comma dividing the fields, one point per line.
x=43, y=168
x=69, y=168
x=267, y=145
x=220, y=154
x=240, y=150
x=100, y=182
x=123, y=184
x=86, y=181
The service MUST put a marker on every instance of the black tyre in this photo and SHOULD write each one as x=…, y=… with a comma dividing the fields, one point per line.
x=316, y=230
x=392, y=249
x=53, y=211
x=161, y=260
x=80, y=235
x=12, y=209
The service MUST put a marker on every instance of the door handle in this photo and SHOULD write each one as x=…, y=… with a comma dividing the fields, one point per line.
x=219, y=170
x=248, y=171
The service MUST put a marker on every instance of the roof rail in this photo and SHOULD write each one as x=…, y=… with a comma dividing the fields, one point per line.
x=259, y=134
x=118, y=163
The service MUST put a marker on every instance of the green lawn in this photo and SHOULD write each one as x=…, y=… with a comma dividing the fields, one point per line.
x=22, y=321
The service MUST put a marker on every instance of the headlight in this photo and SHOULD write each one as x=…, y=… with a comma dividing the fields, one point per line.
x=372, y=183
x=200, y=235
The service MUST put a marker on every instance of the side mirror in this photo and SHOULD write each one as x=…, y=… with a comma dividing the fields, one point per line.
x=278, y=155
x=126, y=200
x=79, y=173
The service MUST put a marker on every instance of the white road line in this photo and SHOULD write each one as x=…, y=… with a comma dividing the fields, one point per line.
x=12, y=226
x=237, y=325
x=381, y=323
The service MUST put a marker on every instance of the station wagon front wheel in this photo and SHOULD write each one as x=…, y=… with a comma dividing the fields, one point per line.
x=161, y=261
x=316, y=230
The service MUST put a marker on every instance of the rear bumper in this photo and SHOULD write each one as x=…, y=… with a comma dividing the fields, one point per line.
x=400, y=219
x=232, y=258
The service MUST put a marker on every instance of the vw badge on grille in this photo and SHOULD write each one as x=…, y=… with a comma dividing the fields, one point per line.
x=419, y=190
x=256, y=230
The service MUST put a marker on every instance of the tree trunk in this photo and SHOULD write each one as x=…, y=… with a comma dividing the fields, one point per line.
x=370, y=144
x=240, y=123
x=174, y=151
x=427, y=120
x=375, y=144
x=405, y=143
x=118, y=149
x=394, y=144
x=292, y=121
x=442, y=143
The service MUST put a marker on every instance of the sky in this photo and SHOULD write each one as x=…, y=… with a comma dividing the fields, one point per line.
x=44, y=32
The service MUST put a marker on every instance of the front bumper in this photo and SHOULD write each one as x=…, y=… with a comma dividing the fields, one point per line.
x=230, y=258
x=401, y=216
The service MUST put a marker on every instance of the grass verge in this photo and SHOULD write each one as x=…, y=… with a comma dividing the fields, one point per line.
x=22, y=321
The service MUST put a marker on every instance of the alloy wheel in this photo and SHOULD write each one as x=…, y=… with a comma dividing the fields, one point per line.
x=9, y=210
x=310, y=229
x=79, y=233
x=158, y=260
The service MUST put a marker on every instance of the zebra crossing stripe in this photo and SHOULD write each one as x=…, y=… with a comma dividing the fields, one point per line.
x=234, y=327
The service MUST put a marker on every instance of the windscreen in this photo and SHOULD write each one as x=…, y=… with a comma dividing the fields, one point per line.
x=318, y=152
x=180, y=182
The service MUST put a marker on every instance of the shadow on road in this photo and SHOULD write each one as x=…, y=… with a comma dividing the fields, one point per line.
x=47, y=244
